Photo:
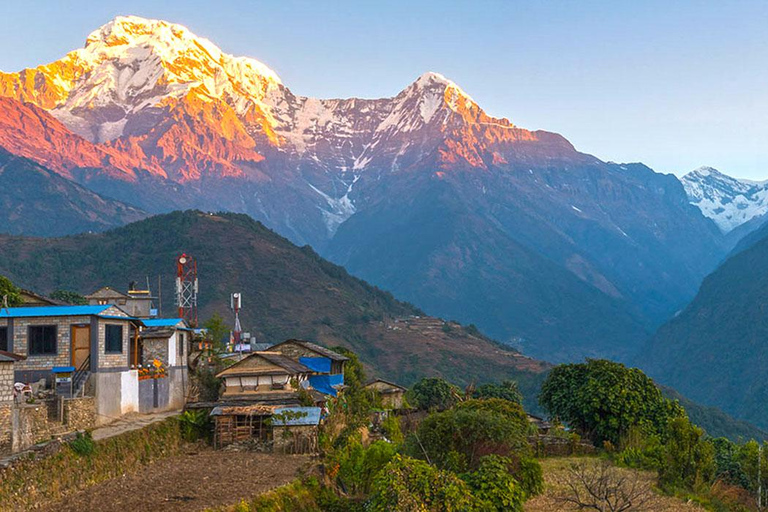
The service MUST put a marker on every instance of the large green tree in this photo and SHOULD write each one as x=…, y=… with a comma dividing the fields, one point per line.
x=602, y=400
x=433, y=394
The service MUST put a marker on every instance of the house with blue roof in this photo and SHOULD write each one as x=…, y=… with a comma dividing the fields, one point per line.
x=327, y=366
x=128, y=364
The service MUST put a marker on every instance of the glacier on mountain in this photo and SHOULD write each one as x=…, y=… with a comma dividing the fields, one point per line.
x=728, y=201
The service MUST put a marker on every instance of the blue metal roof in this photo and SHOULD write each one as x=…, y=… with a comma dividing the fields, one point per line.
x=307, y=416
x=53, y=311
x=163, y=322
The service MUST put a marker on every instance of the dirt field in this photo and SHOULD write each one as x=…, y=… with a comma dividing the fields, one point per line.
x=194, y=481
x=556, y=471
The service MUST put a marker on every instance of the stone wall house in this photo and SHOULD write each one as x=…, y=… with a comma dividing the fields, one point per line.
x=264, y=376
x=307, y=352
x=96, y=340
x=392, y=395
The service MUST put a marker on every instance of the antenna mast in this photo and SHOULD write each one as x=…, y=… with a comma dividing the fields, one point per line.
x=186, y=288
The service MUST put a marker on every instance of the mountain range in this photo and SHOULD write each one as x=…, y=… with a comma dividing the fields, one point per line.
x=466, y=215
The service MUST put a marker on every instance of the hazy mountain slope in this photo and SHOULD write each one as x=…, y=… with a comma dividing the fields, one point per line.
x=457, y=263
x=715, y=351
x=36, y=201
x=288, y=292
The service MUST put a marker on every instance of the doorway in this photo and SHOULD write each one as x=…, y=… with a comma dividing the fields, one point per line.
x=81, y=344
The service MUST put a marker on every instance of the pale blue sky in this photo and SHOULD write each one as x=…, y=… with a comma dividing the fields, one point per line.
x=675, y=84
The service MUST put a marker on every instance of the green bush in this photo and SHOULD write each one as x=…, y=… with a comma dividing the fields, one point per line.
x=494, y=486
x=195, y=424
x=456, y=439
x=391, y=429
x=506, y=390
x=357, y=466
x=407, y=484
x=83, y=444
x=433, y=394
x=688, y=458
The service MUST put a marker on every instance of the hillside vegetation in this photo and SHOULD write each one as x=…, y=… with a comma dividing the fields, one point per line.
x=288, y=292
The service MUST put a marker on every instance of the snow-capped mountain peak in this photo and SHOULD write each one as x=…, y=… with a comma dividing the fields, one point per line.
x=728, y=201
x=132, y=66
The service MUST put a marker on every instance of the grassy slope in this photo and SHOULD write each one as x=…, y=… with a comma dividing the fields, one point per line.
x=288, y=292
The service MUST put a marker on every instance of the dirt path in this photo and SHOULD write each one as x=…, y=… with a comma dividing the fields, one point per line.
x=190, y=482
x=130, y=422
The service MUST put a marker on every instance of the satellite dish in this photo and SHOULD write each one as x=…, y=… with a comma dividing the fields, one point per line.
x=183, y=260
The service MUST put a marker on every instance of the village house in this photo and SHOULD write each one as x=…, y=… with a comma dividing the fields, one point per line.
x=95, y=348
x=392, y=395
x=265, y=376
x=137, y=303
x=326, y=365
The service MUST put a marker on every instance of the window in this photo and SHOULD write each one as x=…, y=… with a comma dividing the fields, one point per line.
x=180, y=341
x=113, y=339
x=4, y=338
x=42, y=339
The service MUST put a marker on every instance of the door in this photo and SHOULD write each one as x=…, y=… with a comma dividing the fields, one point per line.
x=81, y=344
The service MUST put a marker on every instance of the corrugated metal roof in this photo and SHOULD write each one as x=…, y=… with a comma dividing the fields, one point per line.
x=26, y=312
x=289, y=365
x=163, y=322
x=306, y=416
x=315, y=348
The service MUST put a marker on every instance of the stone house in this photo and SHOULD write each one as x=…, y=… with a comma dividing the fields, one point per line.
x=137, y=303
x=392, y=395
x=263, y=376
x=320, y=359
x=98, y=345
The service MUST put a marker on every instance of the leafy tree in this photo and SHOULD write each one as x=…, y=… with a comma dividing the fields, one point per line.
x=689, y=458
x=507, y=390
x=69, y=297
x=494, y=486
x=217, y=330
x=456, y=439
x=407, y=484
x=356, y=400
x=431, y=394
x=11, y=291
x=602, y=400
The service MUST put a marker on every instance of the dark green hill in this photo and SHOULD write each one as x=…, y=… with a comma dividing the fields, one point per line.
x=37, y=201
x=716, y=350
x=288, y=292
x=714, y=421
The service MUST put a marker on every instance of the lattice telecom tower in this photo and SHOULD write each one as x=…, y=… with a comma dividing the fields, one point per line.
x=186, y=288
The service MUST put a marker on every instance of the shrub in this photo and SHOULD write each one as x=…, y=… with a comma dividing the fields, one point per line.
x=430, y=394
x=456, y=439
x=493, y=485
x=195, y=424
x=410, y=484
x=689, y=459
x=506, y=390
x=83, y=444
x=355, y=466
